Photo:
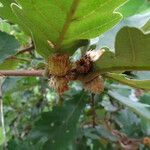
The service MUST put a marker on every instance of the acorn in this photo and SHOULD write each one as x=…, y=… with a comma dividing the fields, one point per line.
x=84, y=65
x=59, y=64
x=95, y=86
x=93, y=82
x=146, y=141
x=59, y=84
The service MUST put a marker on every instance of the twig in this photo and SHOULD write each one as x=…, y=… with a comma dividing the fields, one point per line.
x=28, y=49
x=93, y=110
x=2, y=115
x=16, y=58
x=37, y=73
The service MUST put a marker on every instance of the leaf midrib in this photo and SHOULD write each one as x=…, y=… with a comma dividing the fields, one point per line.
x=67, y=23
x=129, y=82
x=123, y=68
x=132, y=46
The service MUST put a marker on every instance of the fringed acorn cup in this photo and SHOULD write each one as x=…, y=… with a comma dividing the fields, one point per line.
x=61, y=71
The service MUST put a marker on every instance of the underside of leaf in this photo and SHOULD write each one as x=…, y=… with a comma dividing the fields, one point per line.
x=132, y=52
x=65, y=24
x=142, y=84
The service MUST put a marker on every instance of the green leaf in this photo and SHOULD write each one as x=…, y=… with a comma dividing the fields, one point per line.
x=59, y=126
x=82, y=144
x=145, y=126
x=8, y=45
x=6, y=11
x=10, y=63
x=108, y=38
x=21, y=145
x=128, y=122
x=142, y=84
x=103, y=132
x=97, y=145
x=66, y=23
x=18, y=84
x=145, y=123
x=137, y=107
x=132, y=52
x=145, y=99
x=146, y=27
x=15, y=31
x=133, y=7
x=1, y=136
x=98, y=133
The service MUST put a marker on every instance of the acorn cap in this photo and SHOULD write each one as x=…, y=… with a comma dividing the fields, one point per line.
x=95, y=86
x=59, y=64
x=92, y=82
x=84, y=65
x=59, y=84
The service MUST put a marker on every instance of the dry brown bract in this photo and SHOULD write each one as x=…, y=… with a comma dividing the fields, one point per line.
x=59, y=84
x=61, y=70
x=92, y=82
x=59, y=65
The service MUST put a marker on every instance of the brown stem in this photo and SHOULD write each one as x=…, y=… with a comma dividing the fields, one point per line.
x=16, y=58
x=93, y=110
x=21, y=73
x=28, y=49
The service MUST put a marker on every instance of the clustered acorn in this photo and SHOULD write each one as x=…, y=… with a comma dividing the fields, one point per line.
x=84, y=65
x=58, y=67
x=60, y=84
x=92, y=82
x=59, y=64
x=146, y=141
x=61, y=71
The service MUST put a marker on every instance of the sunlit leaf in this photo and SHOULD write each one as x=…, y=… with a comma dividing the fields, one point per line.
x=63, y=25
x=6, y=11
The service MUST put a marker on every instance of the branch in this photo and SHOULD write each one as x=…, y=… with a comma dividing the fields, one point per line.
x=2, y=115
x=17, y=58
x=93, y=110
x=28, y=49
x=37, y=73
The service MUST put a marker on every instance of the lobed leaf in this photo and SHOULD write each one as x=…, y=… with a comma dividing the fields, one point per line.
x=60, y=25
x=132, y=52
